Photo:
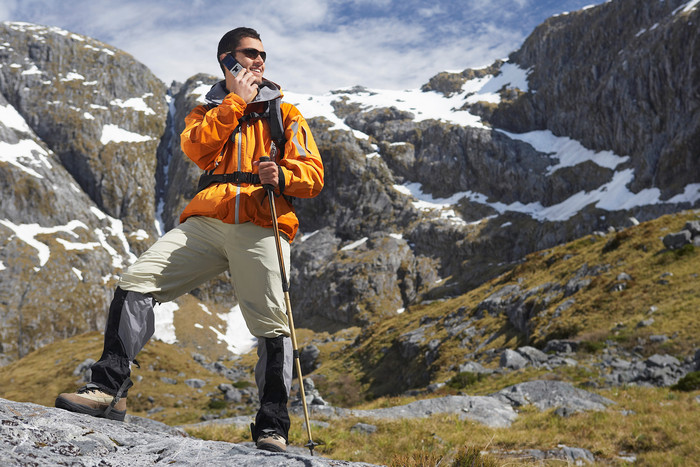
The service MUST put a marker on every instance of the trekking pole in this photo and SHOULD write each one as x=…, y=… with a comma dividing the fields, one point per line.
x=285, y=288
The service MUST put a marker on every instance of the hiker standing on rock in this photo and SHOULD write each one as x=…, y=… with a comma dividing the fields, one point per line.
x=227, y=225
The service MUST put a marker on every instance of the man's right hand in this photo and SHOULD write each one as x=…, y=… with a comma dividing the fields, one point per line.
x=243, y=85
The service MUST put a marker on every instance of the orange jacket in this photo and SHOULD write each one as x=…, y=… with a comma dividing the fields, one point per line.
x=214, y=140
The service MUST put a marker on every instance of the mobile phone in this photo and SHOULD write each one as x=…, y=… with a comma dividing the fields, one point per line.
x=232, y=64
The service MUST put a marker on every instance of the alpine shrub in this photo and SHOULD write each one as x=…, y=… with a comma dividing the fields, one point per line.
x=463, y=380
x=689, y=382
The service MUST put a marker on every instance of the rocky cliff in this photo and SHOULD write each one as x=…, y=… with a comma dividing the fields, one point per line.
x=594, y=120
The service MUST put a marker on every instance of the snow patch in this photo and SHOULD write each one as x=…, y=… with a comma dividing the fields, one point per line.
x=78, y=273
x=164, y=318
x=13, y=119
x=205, y=308
x=32, y=71
x=77, y=246
x=305, y=237
x=114, y=134
x=28, y=232
x=136, y=103
x=237, y=338
x=73, y=76
x=569, y=152
x=200, y=91
x=354, y=244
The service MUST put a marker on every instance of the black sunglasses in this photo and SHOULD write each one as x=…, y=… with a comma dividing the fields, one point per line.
x=253, y=53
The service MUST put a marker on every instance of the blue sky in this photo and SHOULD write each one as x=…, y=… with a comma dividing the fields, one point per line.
x=313, y=45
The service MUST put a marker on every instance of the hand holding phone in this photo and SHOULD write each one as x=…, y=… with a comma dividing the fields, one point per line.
x=240, y=82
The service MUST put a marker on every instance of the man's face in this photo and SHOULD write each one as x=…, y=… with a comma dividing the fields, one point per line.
x=248, y=54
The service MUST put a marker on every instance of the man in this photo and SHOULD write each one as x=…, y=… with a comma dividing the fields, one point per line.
x=227, y=225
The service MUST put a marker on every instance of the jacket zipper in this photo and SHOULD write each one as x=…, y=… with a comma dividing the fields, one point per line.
x=238, y=167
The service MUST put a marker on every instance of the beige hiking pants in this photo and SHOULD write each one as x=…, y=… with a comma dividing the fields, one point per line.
x=202, y=248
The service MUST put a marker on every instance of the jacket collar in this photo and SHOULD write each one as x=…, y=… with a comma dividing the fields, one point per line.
x=267, y=91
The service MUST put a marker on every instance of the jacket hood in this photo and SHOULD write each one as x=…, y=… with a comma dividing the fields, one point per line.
x=267, y=91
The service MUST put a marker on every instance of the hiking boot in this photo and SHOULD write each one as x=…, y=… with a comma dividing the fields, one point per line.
x=92, y=401
x=270, y=441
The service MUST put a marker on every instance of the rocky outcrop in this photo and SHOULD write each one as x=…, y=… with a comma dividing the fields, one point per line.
x=100, y=111
x=36, y=435
x=610, y=77
x=482, y=409
x=690, y=235
x=552, y=394
x=80, y=124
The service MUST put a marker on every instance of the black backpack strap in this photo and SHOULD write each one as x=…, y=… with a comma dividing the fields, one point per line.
x=277, y=126
x=236, y=178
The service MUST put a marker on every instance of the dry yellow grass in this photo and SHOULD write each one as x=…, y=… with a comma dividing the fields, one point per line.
x=656, y=425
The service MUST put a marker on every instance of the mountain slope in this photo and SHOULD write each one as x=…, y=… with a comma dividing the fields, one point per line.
x=429, y=193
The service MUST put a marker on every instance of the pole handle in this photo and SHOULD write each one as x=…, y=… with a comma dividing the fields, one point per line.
x=269, y=188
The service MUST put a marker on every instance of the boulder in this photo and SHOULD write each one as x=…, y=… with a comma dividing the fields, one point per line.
x=677, y=240
x=50, y=436
x=512, y=360
x=483, y=409
x=552, y=394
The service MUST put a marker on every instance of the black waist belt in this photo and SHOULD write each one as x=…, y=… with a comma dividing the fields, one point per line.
x=236, y=177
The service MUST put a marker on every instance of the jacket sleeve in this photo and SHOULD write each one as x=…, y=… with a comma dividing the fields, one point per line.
x=301, y=165
x=206, y=131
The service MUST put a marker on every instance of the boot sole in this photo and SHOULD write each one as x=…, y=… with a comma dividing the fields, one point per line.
x=117, y=415
x=270, y=447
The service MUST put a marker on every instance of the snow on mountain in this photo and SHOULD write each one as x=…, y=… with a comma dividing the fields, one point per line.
x=613, y=195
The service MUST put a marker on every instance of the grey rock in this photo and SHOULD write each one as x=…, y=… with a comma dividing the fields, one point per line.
x=645, y=323
x=565, y=305
x=50, y=436
x=556, y=361
x=561, y=346
x=433, y=351
x=435, y=387
x=623, y=276
x=487, y=410
x=312, y=395
x=535, y=356
x=410, y=343
x=308, y=358
x=564, y=412
x=550, y=394
x=693, y=227
x=662, y=361
x=474, y=367
x=674, y=241
x=658, y=339
x=363, y=428
x=512, y=360
x=576, y=454
x=195, y=383
x=232, y=394
x=619, y=364
x=84, y=370
x=167, y=380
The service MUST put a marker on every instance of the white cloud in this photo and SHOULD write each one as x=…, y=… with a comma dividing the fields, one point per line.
x=313, y=45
